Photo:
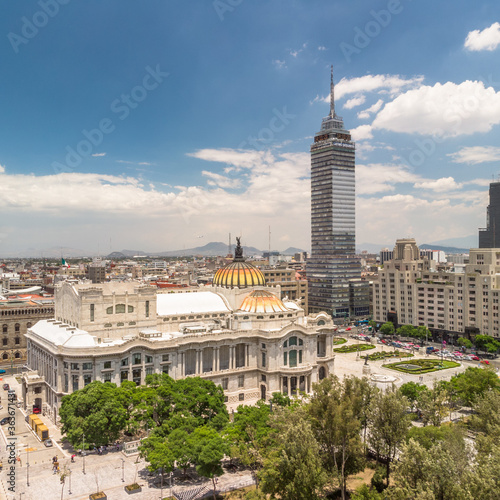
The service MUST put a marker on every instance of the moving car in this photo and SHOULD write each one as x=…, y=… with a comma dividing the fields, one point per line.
x=36, y=410
x=5, y=420
x=48, y=443
x=2, y=372
x=6, y=387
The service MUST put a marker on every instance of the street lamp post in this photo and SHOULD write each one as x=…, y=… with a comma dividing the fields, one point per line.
x=123, y=470
x=170, y=484
x=83, y=452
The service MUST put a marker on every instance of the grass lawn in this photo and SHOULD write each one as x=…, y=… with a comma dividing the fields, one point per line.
x=354, y=348
x=419, y=366
x=376, y=356
x=339, y=340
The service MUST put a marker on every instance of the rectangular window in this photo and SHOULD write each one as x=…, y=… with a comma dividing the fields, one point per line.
x=241, y=397
x=124, y=362
x=264, y=359
x=92, y=312
x=241, y=381
x=165, y=357
x=147, y=308
x=107, y=377
x=149, y=359
x=165, y=369
x=87, y=379
x=224, y=383
x=300, y=357
x=263, y=378
x=293, y=358
x=107, y=364
x=74, y=366
x=66, y=382
x=285, y=357
x=65, y=364
x=75, y=382
x=136, y=359
x=87, y=366
x=124, y=375
x=149, y=371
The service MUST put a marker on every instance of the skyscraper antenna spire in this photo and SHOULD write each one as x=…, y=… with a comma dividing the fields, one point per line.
x=332, y=93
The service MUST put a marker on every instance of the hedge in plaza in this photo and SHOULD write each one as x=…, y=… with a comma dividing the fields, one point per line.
x=354, y=348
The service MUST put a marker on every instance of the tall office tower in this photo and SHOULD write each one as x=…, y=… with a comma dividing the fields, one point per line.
x=333, y=271
x=489, y=237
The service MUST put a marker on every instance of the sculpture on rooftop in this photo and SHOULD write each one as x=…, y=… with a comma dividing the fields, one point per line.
x=238, y=251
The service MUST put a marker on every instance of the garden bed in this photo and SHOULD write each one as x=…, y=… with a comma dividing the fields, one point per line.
x=339, y=340
x=376, y=356
x=419, y=366
x=354, y=348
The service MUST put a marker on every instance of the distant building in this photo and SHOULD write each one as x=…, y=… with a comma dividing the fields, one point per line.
x=489, y=237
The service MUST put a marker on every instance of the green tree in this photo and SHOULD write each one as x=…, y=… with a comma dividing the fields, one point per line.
x=364, y=492
x=248, y=434
x=389, y=424
x=209, y=448
x=94, y=411
x=486, y=343
x=434, y=405
x=473, y=383
x=430, y=435
x=484, y=482
x=413, y=391
x=406, y=331
x=486, y=418
x=158, y=453
x=292, y=468
x=387, y=328
x=334, y=408
x=462, y=341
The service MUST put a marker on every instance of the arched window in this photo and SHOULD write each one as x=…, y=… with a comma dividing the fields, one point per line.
x=29, y=325
x=17, y=355
x=109, y=310
x=17, y=327
x=5, y=356
x=130, y=309
x=321, y=373
x=321, y=322
x=120, y=308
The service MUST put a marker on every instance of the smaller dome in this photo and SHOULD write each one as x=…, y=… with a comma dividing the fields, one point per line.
x=260, y=301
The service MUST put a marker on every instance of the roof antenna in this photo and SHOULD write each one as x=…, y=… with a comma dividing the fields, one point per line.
x=332, y=93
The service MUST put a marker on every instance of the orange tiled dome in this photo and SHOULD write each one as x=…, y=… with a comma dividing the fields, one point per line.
x=262, y=301
x=238, y=274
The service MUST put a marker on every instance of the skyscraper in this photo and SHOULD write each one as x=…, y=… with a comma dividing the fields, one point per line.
x=489, y=237
x=333, y=271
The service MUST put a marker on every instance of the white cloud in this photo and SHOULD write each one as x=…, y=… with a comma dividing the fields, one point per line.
x=221, y=180
x=473, y=155
x=355, y=101
x=321, y=47
x=439, y=185
x=279, y=64
x=379, y=178
x=372, y=109
x=487, y=39
x=99, y=154
x=2, y=169
x=362, y=132
x=237, y=158
x=370, y=83
x=445, y=110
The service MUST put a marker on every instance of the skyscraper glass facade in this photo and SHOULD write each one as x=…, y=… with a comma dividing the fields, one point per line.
x=334, y=271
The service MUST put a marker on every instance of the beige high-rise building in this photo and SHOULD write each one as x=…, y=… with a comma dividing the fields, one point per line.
x=409, y=290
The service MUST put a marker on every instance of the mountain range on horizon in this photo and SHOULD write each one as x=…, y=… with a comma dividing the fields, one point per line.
x=213, y=249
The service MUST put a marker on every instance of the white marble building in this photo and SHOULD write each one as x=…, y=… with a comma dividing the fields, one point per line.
x=237, y=333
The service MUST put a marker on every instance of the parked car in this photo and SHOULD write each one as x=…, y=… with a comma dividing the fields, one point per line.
x=5, y=420
x=474, y=357
x=2, y=372
x=485, y=362
x=6, y=387
x=48, y=443
x=36, y=410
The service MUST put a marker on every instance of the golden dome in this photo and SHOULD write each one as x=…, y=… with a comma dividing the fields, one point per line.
x=238, y=274
x=260, y=301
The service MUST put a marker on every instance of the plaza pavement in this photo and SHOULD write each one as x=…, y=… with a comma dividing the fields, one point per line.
x=112, y=465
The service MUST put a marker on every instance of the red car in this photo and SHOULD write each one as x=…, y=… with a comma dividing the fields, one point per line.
x=485, y=362
x=36, y=410
x=475, y=358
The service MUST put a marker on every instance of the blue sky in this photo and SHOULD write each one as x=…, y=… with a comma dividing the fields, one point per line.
x=158, y=125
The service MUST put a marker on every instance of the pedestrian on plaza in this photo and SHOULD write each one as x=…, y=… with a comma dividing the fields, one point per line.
x=73, y=458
